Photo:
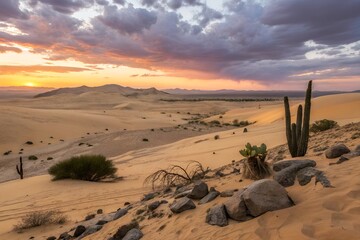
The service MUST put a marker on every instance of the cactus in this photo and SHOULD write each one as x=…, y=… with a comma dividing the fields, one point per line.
x=297, y=134
x=19, y=169
x=255, y=166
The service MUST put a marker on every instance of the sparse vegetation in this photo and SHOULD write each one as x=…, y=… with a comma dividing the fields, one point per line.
x=145, y=140
x=238, y=123
x=33, y=157
x=176, y=175
x=7, y=153
x=29, y=143
x=86, y=167
x=255, y=166
x=323, y=125
x=215, y=123
x=41, y=218
x=216, y=137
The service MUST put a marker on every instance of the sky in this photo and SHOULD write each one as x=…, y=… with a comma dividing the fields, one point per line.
x=189, y=44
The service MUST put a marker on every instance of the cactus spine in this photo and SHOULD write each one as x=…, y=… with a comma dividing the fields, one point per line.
x=19, y=169
x=297, y=134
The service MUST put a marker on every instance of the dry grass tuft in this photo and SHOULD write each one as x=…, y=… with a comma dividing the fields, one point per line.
x=40, y=218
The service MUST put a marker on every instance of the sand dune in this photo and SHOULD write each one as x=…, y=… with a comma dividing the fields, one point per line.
x=337, y=209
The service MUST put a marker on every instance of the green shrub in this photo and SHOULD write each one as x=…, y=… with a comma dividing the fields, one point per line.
x=86, y=167
x=322, y=125
x=33, y=157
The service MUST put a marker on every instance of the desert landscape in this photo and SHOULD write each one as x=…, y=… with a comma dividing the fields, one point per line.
x=179, y=119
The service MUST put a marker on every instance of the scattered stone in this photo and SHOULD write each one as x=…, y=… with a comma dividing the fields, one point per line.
x=154, y=205
x=120, y=213
x=140, y=211
x=183, y=194
x=227, y=193
x=102, y=222
x=199, y=191
x=149, y=196
x=208, y=198
x=133, y=234
x=285, y=171
x=236, y=208
x=336, y=151
x=217, y=216
x=123, y=230
x=99, y=211
x=90, y=230
x=79, y=230
x=51, y=238
x=305, y=175
x=266, y=195
x=182, y=205
x=89, y=217
x=126, y=203
x=357, y=149
x=64, y=236
x=163, y=201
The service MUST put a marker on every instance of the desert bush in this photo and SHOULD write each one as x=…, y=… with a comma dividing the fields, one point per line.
x=41, y=218
x=215, y=122
x=86, y=167
x=255, y=166
x=322, y=125
x=176, y=175
x=238, y=123
x=33, y=157
x=216, y=137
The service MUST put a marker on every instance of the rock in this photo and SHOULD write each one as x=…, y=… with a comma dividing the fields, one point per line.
x=79, y=230
x=236, y=208
x=336, y=151
x=208, y=198
x=149, y=196
x=133, y=234
x=102, y=222
x=278, y=166
x=140, y=211
x=320, y=177
x=199, y=191
x=65, y=236
x=288, y=170
x=217, y=216
x=51, y=238
x=182, y=205
x=357, y=149
x=153, y=205
x=227, y=193
x=90, y=230
x=164, y=201
x=183, y=189
x=89, y=217
x=120, y=213
x=123, y=230
x=99, y=211
x=126, y=203
x=265, y=195
x=305, y=175
x=183, y=194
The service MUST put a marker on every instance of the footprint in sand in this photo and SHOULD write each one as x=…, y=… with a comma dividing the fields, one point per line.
x=336, y=204
x=354, y=194
x=354, y=210
x=308, y=230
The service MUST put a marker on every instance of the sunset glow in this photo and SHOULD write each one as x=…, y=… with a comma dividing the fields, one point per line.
x=179, y=44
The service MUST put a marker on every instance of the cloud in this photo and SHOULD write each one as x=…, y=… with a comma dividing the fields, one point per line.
x=10, y=9
x=128, y=20
x=4, y=49
x=68, y=6
x=7, y=69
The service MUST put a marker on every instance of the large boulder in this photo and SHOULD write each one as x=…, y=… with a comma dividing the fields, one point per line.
x=133, y=234
x=120, y=213
x=285, y=171
x=217, y=216
x=90, y=230
x=209, y=197
x=182, y=205
x=265, y=195
x=79, y=230
x=123, y=230
x=236, y=208
x=199, y=191
x=336, y=151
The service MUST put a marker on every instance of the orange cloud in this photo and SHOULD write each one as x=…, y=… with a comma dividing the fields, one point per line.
x=4, y=49
x=7, y=69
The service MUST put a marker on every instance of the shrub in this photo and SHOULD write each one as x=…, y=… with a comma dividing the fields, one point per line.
x=86, y=167
x=33, y=157
x=36, y=219
x=216, y=137
x=215, y=122
x=255, y=166
x=322, y=125
x=145, y=140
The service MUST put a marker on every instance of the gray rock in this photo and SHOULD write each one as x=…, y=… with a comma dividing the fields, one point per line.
x=227, y=193
x=357, y=149
x=183, y=189
x=102, y=222
x=123, y=230
x=208, y=198
x=154, y=205
x=182, y=205
x=288, y=169
x=183, y=194
x=305, y=175
x=51, y=238
x=65, y=236
x=199, y=191
x=79, y=230
x=278, y=166
x=320, y=177
x=99, y=211
x=336, y=151
x=120, y=213
x=89, y=217
x=217, y=216
x=149, y=196
x=133, y=234
x=90, y=230
x=265, y=195
x=236, y=208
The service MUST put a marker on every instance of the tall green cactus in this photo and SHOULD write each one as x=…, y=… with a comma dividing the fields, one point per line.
x=297, y=134
x=19, y=169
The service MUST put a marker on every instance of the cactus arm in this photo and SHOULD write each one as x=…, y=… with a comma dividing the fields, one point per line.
x=299, y=123
x=288, y=125
x=306, y=124
x=294, y=138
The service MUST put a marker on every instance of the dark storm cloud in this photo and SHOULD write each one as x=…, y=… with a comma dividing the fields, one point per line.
x=128, y=20
x=121, y=2
x=265, y=43
x=10, y=9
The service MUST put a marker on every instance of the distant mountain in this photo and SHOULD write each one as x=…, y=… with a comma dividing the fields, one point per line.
x=227, y=93
x=110, y=88
x=21, y=92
